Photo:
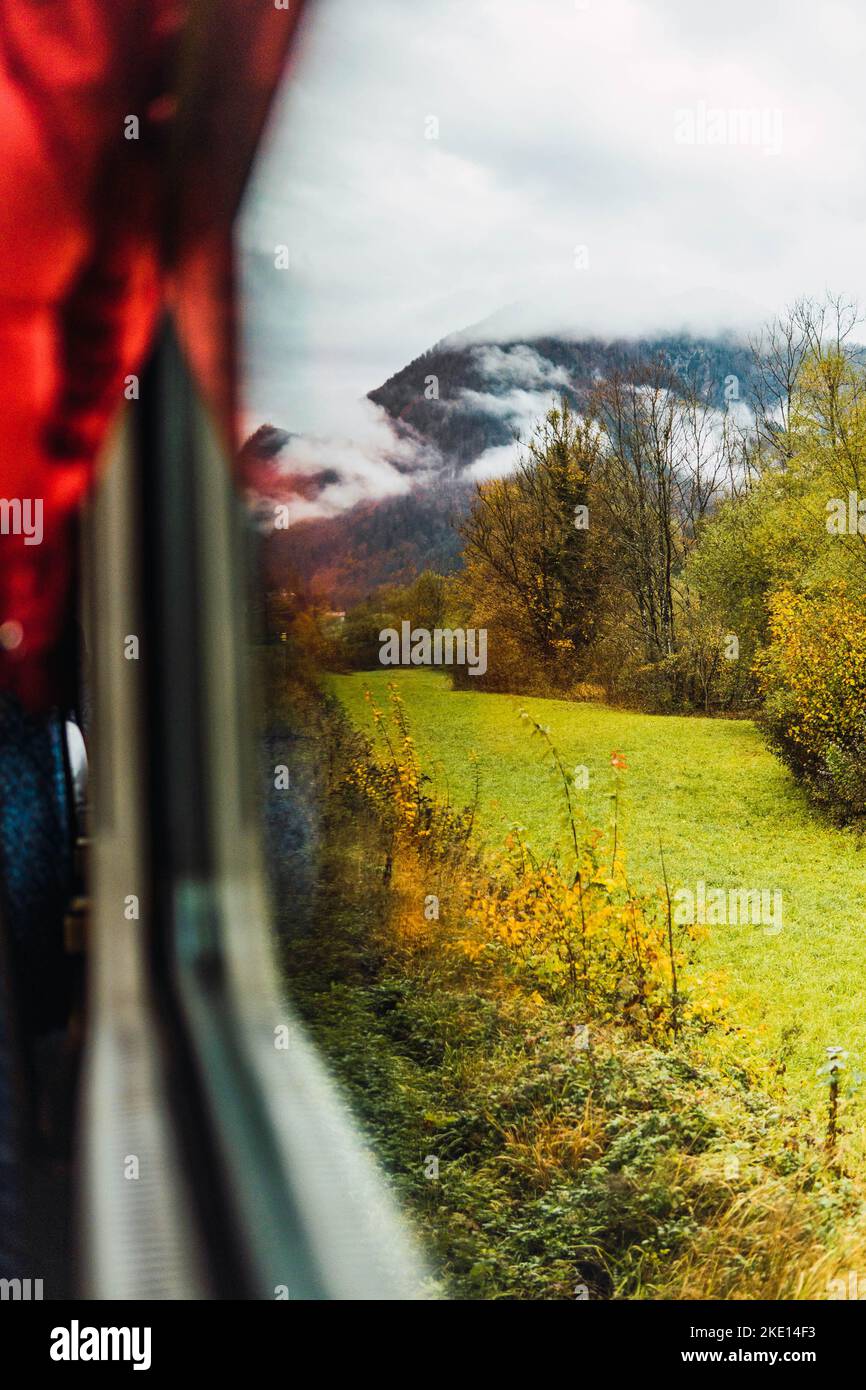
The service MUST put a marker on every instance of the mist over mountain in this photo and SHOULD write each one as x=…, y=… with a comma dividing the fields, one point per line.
x=457, y=409
x=489, y=390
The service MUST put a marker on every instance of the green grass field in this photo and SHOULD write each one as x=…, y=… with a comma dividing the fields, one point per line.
x=728, y=813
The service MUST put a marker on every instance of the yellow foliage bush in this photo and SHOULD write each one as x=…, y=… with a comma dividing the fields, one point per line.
x=813, y=678
x=584, y=936
x=400, y=794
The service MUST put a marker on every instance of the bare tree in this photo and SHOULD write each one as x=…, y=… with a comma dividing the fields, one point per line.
x=668, y=459
x=779, y=351
x=811, y=331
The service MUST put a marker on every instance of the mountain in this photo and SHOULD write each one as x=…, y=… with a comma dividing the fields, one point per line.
x=487, y=391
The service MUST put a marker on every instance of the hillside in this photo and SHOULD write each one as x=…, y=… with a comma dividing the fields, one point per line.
x=344, y=558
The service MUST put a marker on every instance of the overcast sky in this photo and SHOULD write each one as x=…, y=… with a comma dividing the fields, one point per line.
x=618, y=126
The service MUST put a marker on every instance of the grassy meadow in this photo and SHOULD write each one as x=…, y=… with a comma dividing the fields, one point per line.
x=728, y=813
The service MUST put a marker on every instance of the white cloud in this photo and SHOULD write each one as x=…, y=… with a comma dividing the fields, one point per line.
x=518, y=364
x=493, y=463
x=365, y=456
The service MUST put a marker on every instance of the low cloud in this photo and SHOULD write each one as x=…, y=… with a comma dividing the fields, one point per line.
x=493, y=463
x=370, y=457
x=517, y=365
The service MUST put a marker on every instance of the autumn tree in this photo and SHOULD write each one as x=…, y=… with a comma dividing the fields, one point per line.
x=531, y=571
